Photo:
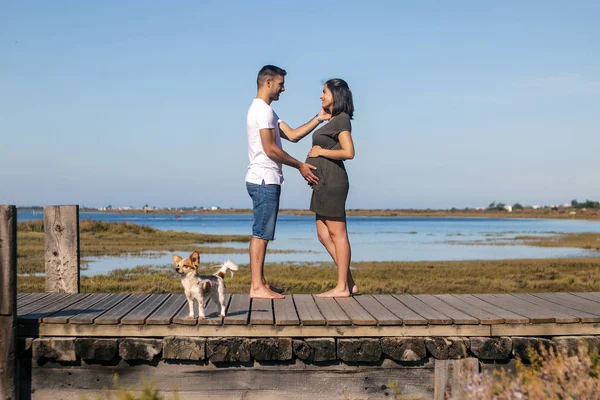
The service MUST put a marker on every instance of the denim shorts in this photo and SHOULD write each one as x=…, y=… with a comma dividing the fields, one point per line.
x=265, y=206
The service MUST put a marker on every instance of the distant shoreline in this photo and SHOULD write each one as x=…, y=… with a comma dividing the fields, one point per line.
x=561, y=213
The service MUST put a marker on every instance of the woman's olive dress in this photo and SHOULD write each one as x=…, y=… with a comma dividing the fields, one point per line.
x=329, y=195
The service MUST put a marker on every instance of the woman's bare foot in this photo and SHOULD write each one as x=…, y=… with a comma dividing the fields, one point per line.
x=265, y=293
x=352, y=285
x=335, y=292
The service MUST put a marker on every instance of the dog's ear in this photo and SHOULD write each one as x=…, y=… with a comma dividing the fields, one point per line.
x=176, y=259
x=195, y=259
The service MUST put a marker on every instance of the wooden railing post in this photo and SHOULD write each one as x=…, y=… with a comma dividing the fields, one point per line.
x=61, y=226
x=8, y=301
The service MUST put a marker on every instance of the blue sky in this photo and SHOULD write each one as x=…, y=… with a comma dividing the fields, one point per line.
x=458, y=103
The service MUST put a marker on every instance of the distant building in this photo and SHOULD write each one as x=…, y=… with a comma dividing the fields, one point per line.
x=508, y=208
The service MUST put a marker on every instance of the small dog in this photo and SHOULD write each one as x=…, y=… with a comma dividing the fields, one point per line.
x=200, y=287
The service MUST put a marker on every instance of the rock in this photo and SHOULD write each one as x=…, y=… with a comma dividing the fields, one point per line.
x=184, y=348
x=230, y=349
x=271, y=349
x=96, y=349
x=301, y=349
x=57, y=349
x=322, y=349
x=23, y=345
x=448, y=348
x=491, y=348
x=139, y=349
x=521, y=346
x=571, y=343
x=404, y=349
x=359, y=350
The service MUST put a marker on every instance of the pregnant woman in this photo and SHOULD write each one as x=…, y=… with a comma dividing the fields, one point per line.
x=332, y=144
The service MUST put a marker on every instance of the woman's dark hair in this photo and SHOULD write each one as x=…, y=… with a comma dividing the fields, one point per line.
x=342, y=97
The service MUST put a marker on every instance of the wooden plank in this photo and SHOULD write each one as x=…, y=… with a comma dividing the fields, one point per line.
x=508, y=316
x=432, y=315
x=459, y=317
x=332, y=312
x=139, y=314
x=408, y=316
x=116, y=313
x=167, y=311
x=89, y=316
x=252, y=331
x=308, y=312
x=357, y=314
x=30, y=299
x=594, y=296
x=62, y=316
x=483, y=316
x=285, y=311
x=581, y=316
x=9, y=377
x=42, y=302
x=261, y=312
x=39, y=314
x=571, y=301
x=22, y=295
x=545, y=329
x=182, y=318
x=377, y=310
x=211, y=312
x=238, y=310
x=61, y=228
x=536, y=314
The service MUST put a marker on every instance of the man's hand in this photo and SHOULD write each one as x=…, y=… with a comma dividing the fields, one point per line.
x=306, y=170
x=324, y=115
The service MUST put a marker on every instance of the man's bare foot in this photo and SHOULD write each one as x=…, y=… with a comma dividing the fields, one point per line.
x=335, y=292
x=276, y=289
x=265, y=293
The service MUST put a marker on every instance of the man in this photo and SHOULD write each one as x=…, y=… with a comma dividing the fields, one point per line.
x=264, y=176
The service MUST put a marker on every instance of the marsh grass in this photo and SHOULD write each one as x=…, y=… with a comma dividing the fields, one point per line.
x=583, y=240
x=552, y=374
x=495, y=276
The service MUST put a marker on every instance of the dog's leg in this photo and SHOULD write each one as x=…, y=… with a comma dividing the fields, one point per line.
x=200, y=299
x=190, y=300
x=221, y=295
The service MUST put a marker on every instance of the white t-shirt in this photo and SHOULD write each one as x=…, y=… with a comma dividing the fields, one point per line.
x=261, y=167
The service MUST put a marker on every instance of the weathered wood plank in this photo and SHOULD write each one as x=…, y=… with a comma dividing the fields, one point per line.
x=167, y=311
x=39, y=314
x=508, y=302
x=332, y=312
x=483, y=316
x=116, y=313
x=89, y=315
x=508, y=316
x=571, y=301
x=308, y=312
x=261, y=312
x=61, y=226
x=377, y=310
x=357, y=314
x=211, y=312
x=518, y=304
x=408, y=316
x=139, y=314
x=459, y=317
x=30, y=299
x=581, y=316
x=432, y=315
x=285, y=311
x=182, y=317
x=238, y=310
x=8, y=302
x=594, y=296
x=62, y=316
x=42, y=302
x=22, y=295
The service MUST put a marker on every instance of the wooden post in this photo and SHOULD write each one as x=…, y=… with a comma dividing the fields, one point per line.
x=8, y=301
x=61, y=225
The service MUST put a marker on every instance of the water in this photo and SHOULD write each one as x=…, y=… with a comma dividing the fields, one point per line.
x=372, y=238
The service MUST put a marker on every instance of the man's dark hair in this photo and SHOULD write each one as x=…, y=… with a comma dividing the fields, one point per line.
x=268, y=71
x=342, y=97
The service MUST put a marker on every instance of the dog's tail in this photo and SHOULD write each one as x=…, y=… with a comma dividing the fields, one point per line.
x=227, y=266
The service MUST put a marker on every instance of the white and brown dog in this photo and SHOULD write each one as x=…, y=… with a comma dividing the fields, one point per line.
x=202, y=287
